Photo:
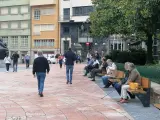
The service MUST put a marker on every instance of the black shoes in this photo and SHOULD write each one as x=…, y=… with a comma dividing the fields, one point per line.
x=93, y=80
x=68, y=82
x=40, y=94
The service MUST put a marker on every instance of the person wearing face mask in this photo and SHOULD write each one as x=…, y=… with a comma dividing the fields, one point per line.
x=111, y=72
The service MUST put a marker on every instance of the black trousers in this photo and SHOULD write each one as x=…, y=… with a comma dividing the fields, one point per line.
x=95, y=71
x=60, y=65
x=7, y=66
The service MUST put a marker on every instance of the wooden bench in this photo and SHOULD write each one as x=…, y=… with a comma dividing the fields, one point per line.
x=119, y=74
x=144, y=92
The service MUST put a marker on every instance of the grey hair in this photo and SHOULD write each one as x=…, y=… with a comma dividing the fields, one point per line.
x=109, y=60
x=40, y=53
x=131, y=66
x=126, y=65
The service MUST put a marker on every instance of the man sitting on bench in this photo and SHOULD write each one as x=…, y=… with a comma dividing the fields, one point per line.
x=111, y=73
x=134, y=76
x=101, y=70
x=89, y=67
x=118, y=84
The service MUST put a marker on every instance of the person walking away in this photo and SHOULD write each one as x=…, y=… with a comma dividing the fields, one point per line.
x=27, y=60
x=40, y=67
x=15, y=57
x=70, y=58
x=60, y=59
x=7, y=61
x=88, y=57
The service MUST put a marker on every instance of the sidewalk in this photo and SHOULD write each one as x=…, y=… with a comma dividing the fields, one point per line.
x=80, y=101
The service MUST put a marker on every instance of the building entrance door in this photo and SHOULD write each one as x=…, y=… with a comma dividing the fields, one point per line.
x=66, y=46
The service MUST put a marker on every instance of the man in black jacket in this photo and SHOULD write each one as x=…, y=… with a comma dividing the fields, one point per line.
x=70, y=58
x=15, y=58
x=40, y=67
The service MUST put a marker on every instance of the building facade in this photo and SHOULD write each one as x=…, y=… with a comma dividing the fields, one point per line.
x=15, y=25
x=74, y=25
x=45, y=26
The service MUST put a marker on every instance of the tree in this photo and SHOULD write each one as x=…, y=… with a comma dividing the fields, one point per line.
x=127, y=17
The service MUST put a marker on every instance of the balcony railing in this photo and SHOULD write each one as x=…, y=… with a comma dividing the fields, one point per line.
x=41, y=2
x=64, y=18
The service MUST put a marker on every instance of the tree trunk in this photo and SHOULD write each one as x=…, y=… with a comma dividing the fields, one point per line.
x=150, y=49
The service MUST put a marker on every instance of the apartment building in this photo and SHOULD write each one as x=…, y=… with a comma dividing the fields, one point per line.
x=74, y=24
x=15, y=25
x=45, y=26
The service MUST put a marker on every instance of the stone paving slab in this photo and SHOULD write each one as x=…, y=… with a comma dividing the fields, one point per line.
x=80, y=101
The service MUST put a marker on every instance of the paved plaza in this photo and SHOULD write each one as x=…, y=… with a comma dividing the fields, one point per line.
x=19, y=98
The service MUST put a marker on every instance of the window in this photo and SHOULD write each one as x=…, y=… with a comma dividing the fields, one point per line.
x=24, y=9
x=24, y=24
x=14, y=41
x=48, y=11
x=24, y=41
x=14, y=25
x=4, y=25
x=82, y=11
x=44, y=43
x=47, y=27
x=37, y=14
x=37, y=29
x=5, y=39
x=14, y=10
x=66, y=30
x=66, y=13
x=3, y=11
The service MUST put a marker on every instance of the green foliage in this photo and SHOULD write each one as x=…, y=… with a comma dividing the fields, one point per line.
x=137, y=57
x=126, y=17
x=150, y=71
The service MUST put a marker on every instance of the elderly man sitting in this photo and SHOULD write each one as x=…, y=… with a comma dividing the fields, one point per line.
x=118, y=84
x=100, y=70
x=111, y=73
x=94, y=64
x=134, y=76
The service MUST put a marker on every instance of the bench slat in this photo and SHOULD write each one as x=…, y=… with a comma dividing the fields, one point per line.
x=137, y=91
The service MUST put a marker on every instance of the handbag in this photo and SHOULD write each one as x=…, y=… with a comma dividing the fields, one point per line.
x=133, y=85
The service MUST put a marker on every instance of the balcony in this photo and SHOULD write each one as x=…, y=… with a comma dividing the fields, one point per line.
x=42, y=2
x=15, y=17
x=64, y=18
x=85, y=39
x=13, y=32
x=4, y=3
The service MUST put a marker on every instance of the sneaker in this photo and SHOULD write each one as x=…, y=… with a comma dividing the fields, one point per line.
x=124, y=101
x=106, y=86
x=120, y=100
x=67, y=82
x=70, y=83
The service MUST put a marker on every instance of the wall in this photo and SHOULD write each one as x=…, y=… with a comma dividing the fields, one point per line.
x=48, y=19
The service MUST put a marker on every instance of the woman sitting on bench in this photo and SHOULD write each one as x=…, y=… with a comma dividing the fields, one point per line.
x=111, y=72
x=134, y=76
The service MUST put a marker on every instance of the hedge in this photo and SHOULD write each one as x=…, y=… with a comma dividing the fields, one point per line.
x=151, y=72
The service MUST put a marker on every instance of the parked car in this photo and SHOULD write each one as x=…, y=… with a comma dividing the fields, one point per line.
x=51, y=59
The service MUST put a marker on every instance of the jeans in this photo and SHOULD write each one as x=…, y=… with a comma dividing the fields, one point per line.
x=7, y=66
x=69, y=72
x=105, y=80
x=15, y=64
x=27, y=63
x=41, y=78
x=117, y=86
